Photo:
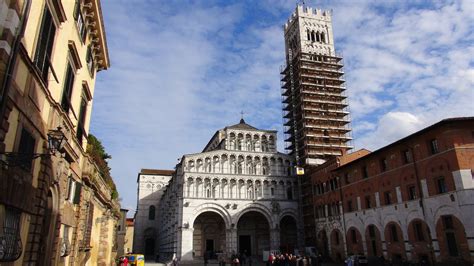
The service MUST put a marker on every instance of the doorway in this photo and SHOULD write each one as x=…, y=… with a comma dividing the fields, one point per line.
x=149, y=247
x=245, y=245
x=209, y=245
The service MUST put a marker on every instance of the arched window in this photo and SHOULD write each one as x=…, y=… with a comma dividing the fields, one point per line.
x=323, y=37
x=308, y=35
x=151, y=213
x=313, y=36
x=318, y=37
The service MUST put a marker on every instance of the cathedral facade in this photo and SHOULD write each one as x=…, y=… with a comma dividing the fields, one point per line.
x=239, y=195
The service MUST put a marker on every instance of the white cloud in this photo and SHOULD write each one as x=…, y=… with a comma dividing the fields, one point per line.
x=391, y=127
x=180, y=72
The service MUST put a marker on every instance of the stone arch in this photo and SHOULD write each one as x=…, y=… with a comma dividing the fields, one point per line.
x=288, y=212
x=253, y=232
x=354, y=241
x=395, y=241
x=445, y=210
x=452, y=239
x=258, y=208
x=208, y=234
x=373, y=240
x=51, y=217
x=212, y=207
x=419, y=236
x=337, y=245
x=288, y=226
x=322, y=242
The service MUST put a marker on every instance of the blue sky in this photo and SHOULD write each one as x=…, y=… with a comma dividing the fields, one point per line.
x=180, y=70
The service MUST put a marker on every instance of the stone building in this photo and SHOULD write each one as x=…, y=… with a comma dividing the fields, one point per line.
x=56, y=208
x=151, y=186
x=238, y=195
x=410, y=200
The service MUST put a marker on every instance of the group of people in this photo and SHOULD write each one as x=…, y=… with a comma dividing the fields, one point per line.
x=292, y=260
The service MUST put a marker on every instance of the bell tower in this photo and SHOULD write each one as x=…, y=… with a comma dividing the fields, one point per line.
x=315, y=108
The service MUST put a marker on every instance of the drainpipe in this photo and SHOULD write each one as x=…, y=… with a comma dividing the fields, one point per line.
x=13, y=55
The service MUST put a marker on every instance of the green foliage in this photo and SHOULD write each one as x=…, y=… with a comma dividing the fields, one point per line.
x=97, y=151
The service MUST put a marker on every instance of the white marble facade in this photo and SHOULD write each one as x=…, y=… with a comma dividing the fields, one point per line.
x=238, y=195
x=151, y=186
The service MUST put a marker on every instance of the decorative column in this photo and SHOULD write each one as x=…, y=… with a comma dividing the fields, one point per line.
x=275, y=238
x=185, y=250
x=384, y=243
x=231, y=241
x=406, y=242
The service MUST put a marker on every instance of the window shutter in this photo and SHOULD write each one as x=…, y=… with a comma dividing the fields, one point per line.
x=69, y=188
x=76, y=10
x=77, y=193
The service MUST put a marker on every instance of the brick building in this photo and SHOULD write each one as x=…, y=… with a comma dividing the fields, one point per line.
x=410, y=200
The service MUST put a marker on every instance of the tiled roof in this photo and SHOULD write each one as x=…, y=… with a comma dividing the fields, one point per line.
x=156, y=172
x=242, y=125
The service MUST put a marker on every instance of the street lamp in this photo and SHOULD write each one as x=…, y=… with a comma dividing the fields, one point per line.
x=55, y=142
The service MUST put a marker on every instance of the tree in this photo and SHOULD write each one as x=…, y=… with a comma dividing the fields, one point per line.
x=97, y=151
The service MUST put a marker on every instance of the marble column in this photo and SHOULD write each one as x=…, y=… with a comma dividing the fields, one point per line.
x=185, y=250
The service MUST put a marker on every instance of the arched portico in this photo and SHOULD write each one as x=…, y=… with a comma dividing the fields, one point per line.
x=253, y=233
x=207, y=230
x=209, y=234
x=288, y=234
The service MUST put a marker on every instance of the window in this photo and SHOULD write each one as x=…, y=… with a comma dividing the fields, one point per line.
x=407, y=156
x=81, y=132
x=434, y=146
x=350, y=208
x=383, y=164
x=368, y=202
x=26, y=149
x=365, y=174
x=65, y=247
x=371, y=231
x=354, y=236
x=452, y=244
x=347, y=178
x=411, y=192
x=388, y=197
x=393, y=233
x=272, y=191
x=67, y=91
x=448, y=222
x=44, y=46
x=10, y=246
x=81, y=27
x=88, y=231
x=90, y=65
x=441, y=185
x=418, y=231
x=151, y=213
x=74, y=191
x=450, y=235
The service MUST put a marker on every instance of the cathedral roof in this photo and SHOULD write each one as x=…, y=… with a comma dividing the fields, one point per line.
x=242, y=125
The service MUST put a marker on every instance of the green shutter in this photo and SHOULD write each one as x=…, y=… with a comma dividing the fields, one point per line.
x=76, y=10
x=77, y=193
x=69, y=187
